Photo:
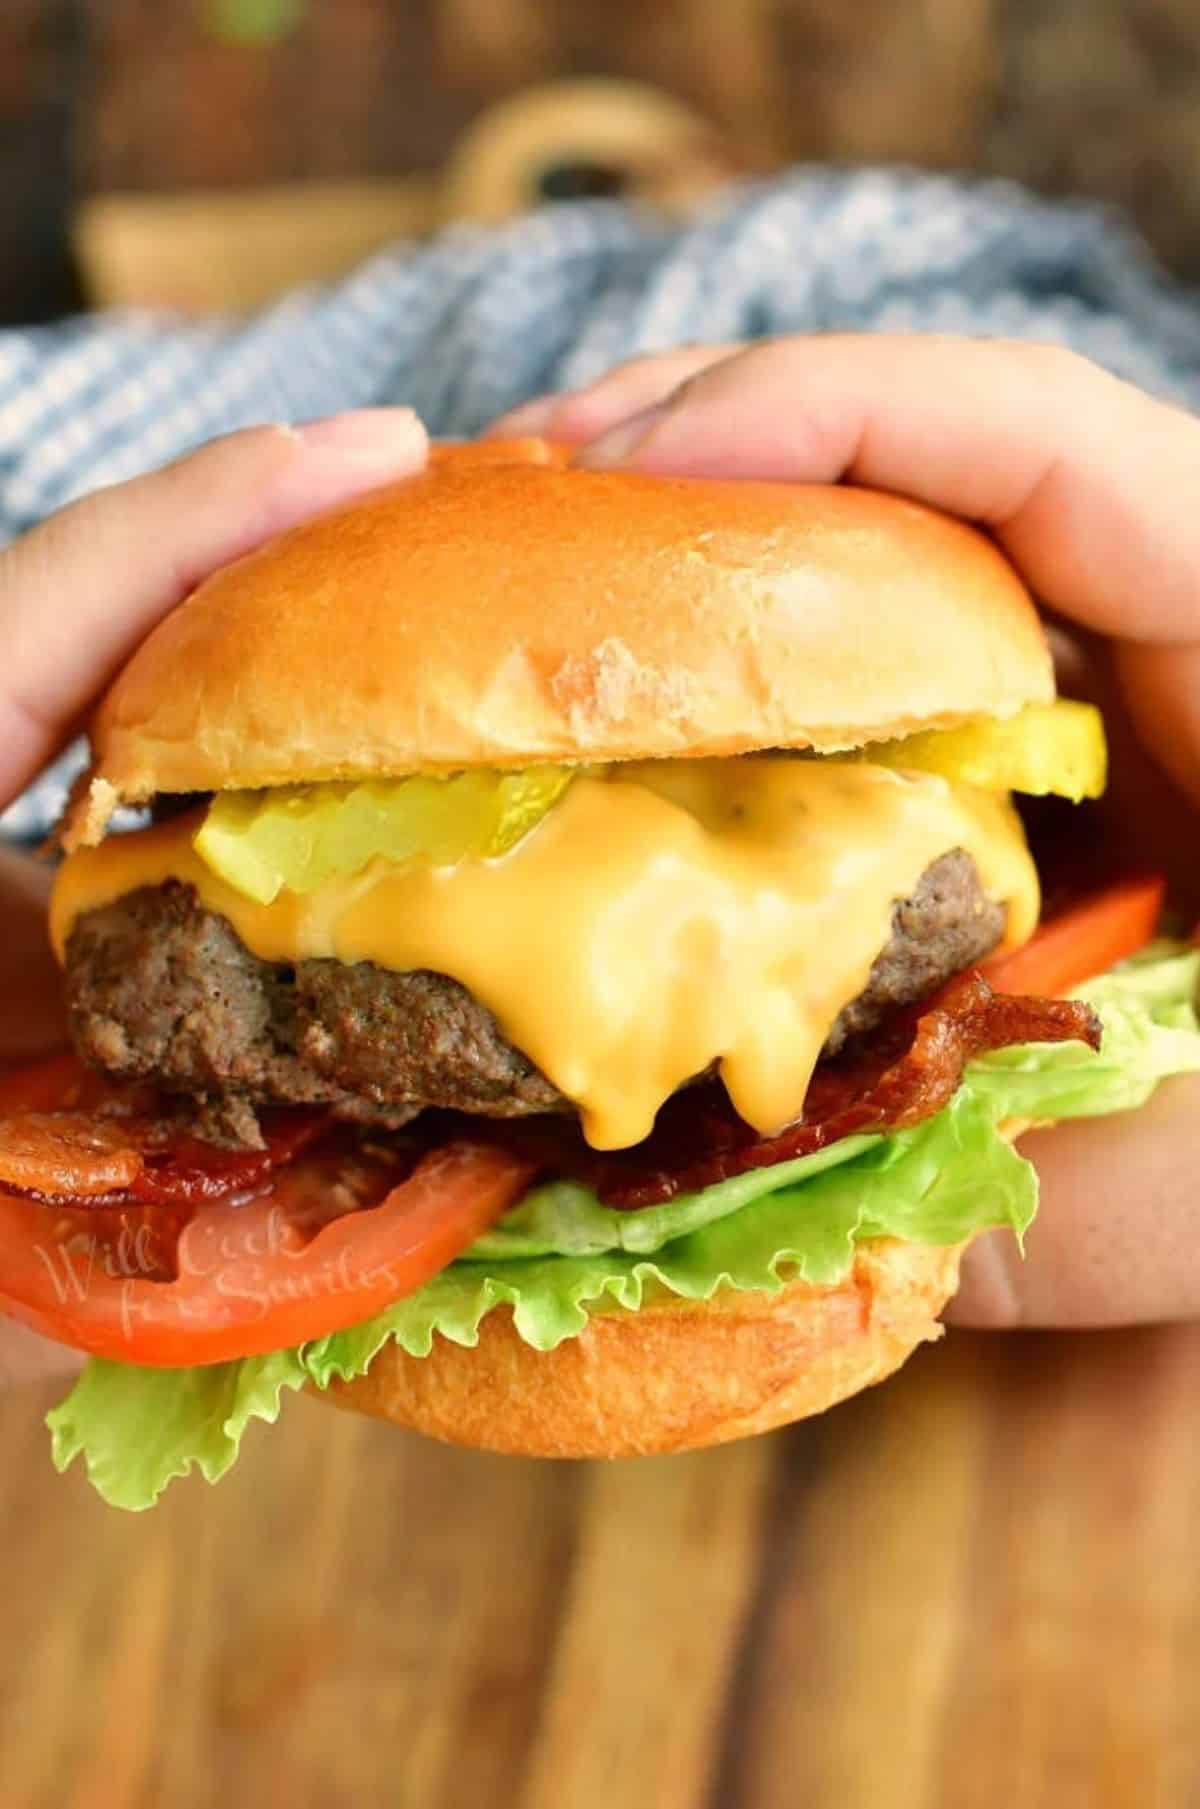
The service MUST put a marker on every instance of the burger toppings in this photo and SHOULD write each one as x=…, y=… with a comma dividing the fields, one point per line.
x=109, y=1157
x=316, y=1243
x=299, y=837
x=905, y=1075
x=662, y=918
x=627, y=977
x=159, y=987
x=112, y=1155
x=125, y=1239
x=623, y=977
x=559, y=1258
x=1044, y=750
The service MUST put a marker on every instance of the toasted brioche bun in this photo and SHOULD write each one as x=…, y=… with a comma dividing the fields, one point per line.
x=674, y=1374
x=503, y=609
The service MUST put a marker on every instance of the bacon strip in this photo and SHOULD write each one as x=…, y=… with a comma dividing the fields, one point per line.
x=187, y=1171
x=910, y=1071
x=108, y=1156
x=65, y=1155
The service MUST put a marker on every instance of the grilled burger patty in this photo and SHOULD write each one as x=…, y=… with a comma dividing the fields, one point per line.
x=157, y=987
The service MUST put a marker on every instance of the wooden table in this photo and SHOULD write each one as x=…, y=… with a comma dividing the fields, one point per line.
x=975, y=1587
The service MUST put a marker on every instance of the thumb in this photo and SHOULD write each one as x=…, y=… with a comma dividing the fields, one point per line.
x=1115, y=1240
x=81, y=590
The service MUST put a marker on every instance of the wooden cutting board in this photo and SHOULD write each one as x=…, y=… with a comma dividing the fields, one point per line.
x=977, y=1587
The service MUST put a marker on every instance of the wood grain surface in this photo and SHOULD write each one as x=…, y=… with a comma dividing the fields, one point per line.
x=973, y=1588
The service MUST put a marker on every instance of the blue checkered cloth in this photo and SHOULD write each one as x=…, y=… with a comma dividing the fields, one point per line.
x=468, y=324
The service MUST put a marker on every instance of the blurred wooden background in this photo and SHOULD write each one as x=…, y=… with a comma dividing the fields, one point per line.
x=973, y=1588
x=1099, y=97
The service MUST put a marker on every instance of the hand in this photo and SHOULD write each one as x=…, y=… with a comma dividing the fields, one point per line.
x=1090, y=487
x=78, y=593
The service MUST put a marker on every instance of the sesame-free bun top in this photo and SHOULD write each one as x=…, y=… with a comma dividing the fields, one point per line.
x=505, y=609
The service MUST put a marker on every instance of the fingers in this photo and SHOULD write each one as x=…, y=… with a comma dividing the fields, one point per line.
x=80, y=591
x=1115, y=1240
x=579, y=415
x=1162, y=690
x=1088, y=482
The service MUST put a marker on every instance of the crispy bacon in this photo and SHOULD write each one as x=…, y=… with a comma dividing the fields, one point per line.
x=909, y=1071
x=112, y=1157
x=185, y=1170
x=94, y=1151
x=67, y=1155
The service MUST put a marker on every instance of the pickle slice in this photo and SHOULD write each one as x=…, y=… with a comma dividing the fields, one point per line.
x=1053, y=749
x=297, y=837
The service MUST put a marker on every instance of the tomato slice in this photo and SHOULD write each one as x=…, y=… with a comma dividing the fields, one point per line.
x=328, y=1242
x=1082, y=941
x=122, y=1238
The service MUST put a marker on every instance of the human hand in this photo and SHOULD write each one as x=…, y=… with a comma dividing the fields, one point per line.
x=79, y=592
x=1090, y=487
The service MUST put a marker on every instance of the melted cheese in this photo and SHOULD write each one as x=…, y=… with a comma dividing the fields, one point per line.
x=663, y=917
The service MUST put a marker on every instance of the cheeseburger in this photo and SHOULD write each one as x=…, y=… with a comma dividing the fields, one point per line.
x=575, y=976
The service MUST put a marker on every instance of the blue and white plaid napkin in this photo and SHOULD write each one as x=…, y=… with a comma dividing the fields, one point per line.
x=476, y=320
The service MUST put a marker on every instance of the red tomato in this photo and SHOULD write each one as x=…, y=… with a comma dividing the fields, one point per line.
x=164, y=1250
x=327, y=1243
x=1081, y=942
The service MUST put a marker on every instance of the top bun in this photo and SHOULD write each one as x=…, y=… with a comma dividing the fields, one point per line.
x=503, y=609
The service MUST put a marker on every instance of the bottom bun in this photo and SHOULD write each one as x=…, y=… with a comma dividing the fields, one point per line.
x=673, y=1375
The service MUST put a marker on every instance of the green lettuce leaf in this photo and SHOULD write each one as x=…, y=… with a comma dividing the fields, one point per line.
x=941, y=1182
x=560, y=1255
x=140, y=1428
x=563, y=1218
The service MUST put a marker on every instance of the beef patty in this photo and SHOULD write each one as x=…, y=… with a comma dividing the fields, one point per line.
x=158, y=987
